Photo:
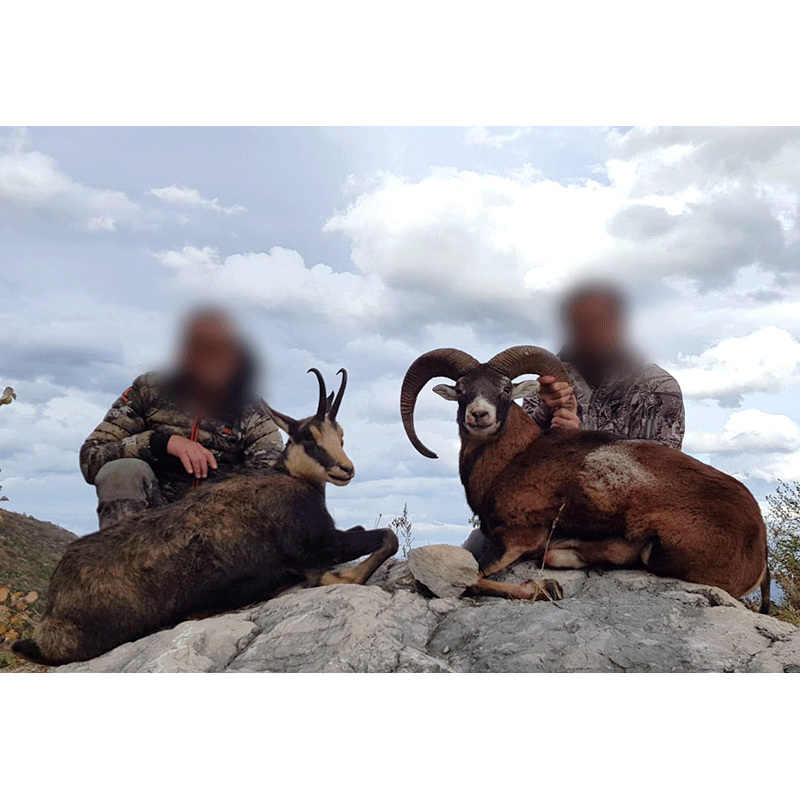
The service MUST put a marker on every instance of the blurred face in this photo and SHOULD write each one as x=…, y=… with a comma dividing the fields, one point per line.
x=212, y=357
x=594, y=328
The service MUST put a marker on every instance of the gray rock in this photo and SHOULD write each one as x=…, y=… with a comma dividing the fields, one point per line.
x=196, y=646
x=446, y=570
x=618, y=621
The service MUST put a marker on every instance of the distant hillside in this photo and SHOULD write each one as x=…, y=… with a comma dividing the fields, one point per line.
x=29, y=550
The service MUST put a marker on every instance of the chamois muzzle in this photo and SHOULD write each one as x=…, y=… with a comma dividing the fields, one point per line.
x=454, y=364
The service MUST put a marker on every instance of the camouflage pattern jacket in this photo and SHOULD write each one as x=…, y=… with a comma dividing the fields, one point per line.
x=141, y=421
x=638, y=401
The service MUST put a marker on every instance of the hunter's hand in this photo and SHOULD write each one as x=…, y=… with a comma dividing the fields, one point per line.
x=556, y=394
x=196, y=459
x=566, y=420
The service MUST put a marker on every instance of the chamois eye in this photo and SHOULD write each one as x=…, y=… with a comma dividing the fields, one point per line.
x=507, y=388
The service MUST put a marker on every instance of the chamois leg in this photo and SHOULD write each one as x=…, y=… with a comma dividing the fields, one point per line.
x=503, y=551
x=352, y=544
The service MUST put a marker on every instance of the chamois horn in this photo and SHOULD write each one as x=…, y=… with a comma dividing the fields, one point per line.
x=322, y=405
x=339, y=395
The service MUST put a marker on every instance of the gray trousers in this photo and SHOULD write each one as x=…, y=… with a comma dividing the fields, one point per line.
x=476, y=543
x=125, y=487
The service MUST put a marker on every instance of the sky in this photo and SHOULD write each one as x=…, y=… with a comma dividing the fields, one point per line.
x=364, y=247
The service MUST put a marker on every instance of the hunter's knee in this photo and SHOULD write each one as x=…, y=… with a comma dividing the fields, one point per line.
x=123, y=479
x=390, y=541
x=476, y=543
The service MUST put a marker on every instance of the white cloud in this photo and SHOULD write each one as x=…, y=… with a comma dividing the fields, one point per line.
x=62, y=422
x=277, y=279
x=101, y=224
x=764, y=361
x=35, y=180
x=40, y=443
x=748, y=431
x=482, y=136
x=474, y=240
x=670, y=210
x=183, y=195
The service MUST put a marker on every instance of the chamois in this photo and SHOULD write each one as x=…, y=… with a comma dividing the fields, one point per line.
x=585, y=498
x=229, y=543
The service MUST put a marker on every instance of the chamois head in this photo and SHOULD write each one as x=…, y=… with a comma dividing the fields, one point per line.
x=315, y=448
x=484, y=392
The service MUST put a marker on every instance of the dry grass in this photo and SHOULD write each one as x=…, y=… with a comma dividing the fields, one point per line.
x=19, y=613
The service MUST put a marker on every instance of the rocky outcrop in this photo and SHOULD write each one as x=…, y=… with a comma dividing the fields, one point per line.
x=607, y=622
x=447, y=571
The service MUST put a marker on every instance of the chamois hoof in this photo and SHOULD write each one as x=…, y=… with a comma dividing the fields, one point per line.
x=553, y=589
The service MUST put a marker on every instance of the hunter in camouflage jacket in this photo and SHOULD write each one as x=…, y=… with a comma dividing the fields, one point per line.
x=637, y=401
x=141, y=421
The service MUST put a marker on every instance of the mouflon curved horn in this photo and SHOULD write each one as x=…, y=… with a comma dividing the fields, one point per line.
x=529, y=360
x=447, y=363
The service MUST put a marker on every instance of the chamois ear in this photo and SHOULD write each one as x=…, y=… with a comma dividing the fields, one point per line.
x=448, y=392
x=524, y=389
x=284, y=422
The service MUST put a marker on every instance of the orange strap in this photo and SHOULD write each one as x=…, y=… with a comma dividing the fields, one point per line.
x=193, y=437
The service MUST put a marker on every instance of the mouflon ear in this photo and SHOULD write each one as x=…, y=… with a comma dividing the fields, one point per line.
x=448, y=392
x=524, y=389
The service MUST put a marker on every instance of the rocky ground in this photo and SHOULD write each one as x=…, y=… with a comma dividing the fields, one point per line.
x=607, y=622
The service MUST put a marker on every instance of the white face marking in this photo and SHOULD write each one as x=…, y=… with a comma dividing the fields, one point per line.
x=329, y=437
x=480, y=417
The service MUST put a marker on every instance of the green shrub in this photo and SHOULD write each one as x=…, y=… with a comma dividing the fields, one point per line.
x=783, y=537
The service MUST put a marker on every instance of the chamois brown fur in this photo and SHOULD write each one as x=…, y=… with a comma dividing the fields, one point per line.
x=228, y=544
x=573, y=499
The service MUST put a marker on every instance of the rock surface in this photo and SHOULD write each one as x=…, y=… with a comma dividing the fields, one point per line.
x=446, y=570
x=619, y=621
